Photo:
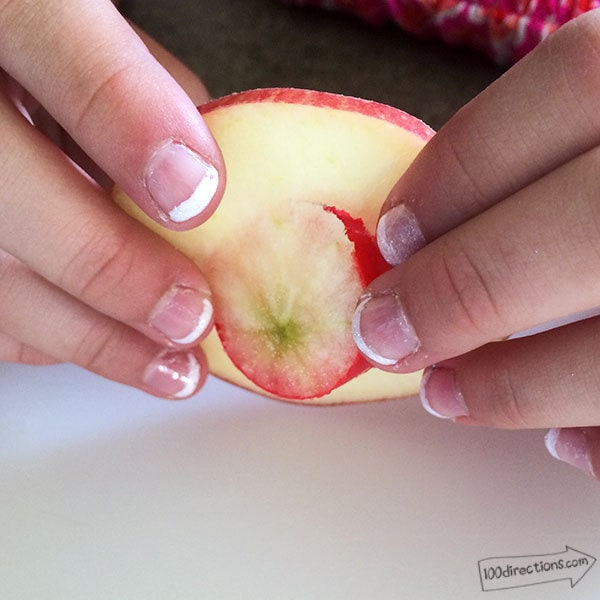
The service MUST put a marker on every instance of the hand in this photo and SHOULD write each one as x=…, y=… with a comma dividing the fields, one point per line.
x=495, y=229
x=80, y=281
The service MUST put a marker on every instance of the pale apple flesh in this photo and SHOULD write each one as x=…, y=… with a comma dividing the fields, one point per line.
x=283, y=315
x=286, y=150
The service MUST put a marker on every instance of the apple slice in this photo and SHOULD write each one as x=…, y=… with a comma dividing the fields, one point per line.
x=284, y=317
x=291, y=246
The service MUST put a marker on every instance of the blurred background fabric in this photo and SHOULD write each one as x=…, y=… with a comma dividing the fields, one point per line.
x=234, y=45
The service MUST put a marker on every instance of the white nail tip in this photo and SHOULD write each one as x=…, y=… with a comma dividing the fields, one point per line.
x=360, y=342
x=200, y=198
x=190, y=379
x=425, y=401
x=550, y=440
x=399, y=235
x=203, y=322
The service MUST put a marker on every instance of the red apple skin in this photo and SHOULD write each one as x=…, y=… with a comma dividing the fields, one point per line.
x=368, y=108
x=369, y=262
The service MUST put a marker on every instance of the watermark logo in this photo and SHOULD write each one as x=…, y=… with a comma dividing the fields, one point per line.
x=507, y=572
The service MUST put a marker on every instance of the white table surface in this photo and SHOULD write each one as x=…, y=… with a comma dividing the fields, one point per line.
x=107, y=493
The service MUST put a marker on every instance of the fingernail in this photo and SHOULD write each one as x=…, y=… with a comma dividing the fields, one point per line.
x=382, y=330
x=569, y=445
x=173, y=374
x=399, y=235
x=181, y=182
x=183, y=315
x=440, y=394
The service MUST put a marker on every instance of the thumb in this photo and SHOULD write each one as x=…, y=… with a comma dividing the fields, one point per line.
x=118, y=103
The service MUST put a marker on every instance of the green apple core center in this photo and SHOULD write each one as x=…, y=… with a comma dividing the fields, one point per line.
x=282, y=334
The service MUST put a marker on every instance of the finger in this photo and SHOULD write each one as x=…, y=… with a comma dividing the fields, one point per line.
x=40, y=117
x=547, y=380
x=186, y=78
x=513, y=267
x=13, y=350
x=103, y=86
x=576, y=446
x=77, y=239
x=45, y=123
x=540, y=114
x=58, y=325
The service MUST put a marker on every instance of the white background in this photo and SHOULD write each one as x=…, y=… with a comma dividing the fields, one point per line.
x=107, y=493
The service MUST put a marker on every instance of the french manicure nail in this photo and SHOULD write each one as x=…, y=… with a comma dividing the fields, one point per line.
x=440, y=394
x=569, y=445
x=173, y=374
x=399, y=235
x=183, y=314
x=382, y=330
x=180, y=182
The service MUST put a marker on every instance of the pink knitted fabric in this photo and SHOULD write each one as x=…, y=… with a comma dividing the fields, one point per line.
x=505, y=30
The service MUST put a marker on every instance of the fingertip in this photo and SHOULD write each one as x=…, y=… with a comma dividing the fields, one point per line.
x=399, y=234
x=184, y=178
x=571, y=446
x=176, y=374
x=184, y=185
x=441, y=395
x=184, y=315
x=382, y=331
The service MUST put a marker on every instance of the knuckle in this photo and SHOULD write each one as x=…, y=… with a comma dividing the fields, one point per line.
x=469, y=297
x=99, y=265
x=98, y=94
x=98, y=83
x=583, y=230
x=507, y=406
x=100, y=347
x=475, y=195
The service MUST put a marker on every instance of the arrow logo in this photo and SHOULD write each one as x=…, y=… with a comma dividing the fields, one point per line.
x=507, y=572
